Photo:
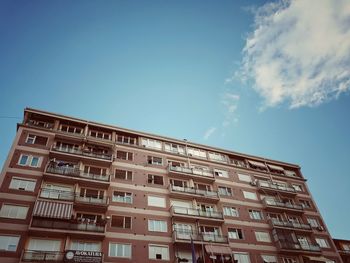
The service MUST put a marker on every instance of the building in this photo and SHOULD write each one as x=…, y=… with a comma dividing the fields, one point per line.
x=343, y=247
x=78, y=191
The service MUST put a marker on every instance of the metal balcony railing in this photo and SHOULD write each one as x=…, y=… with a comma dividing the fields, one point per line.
x=73, y=225
x=196, y=212
x=194, y=191
x=62, y=170
x=278, y=223
x=72, y=196
x=192, y=171
x=42, y=256
x=186, y=236
x=277, y=187
x=299, y=247
x=76, y=151
x=275, y=203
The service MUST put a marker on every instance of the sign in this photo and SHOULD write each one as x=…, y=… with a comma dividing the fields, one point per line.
x=77, y=256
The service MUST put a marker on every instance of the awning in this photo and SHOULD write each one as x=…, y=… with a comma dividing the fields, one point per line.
x=258, y=164
x=275, y=167
x=319, y=259
x=218, y=250
x=53, y=209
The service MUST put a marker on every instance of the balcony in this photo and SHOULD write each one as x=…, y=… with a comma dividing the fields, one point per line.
x=79, y=152
x=204, y=175
x=40, y=124
x=68, y=225
x=290, y=225
x=42, y=256
x=285, y=246
x=269, y=187
x=191, y=192
x=72, y=196
x=177, y=211
x=180, y=236
x=274, y=205
x=76, y=174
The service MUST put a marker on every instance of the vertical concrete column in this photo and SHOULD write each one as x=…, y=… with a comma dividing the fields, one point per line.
x=56, y=125
x=114, y=136
x=86, y=130
x=191, y=183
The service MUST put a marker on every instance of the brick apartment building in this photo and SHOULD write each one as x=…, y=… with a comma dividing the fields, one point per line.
x=73, y=190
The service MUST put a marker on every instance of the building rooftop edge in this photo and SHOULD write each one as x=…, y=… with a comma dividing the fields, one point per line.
x=155, y=136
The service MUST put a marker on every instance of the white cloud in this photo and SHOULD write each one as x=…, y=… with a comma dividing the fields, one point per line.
x=230, y=101
x=299, y=52
x=209, y=132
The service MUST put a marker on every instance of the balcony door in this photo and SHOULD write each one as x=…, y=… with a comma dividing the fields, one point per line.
x=304, y=243
x=43, y=250
x=53, y=191
x=184, y=231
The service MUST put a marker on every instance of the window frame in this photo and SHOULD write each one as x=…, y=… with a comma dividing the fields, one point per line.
x=24, y=179
x=116, y=250
x=10, y=210
x=158, y=245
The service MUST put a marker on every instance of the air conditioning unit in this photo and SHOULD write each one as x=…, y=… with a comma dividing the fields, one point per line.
x=253, y=182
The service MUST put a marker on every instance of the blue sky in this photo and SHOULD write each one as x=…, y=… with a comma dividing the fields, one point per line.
x=250, y=76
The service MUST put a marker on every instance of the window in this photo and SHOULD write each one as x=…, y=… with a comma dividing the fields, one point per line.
x=122, y=197
x=121, y=222
x=85, y=246
x=224, y=190
x=44, y=244
x=71, y=129
x=231, y=211
x=119, y=250
x=221, y=173
x=123, y=175
x=150, y=143
x=241, y=257
x=95, y=170
x=38, y=140
x=9, y=243
x=196, y=152
x=217, y=157
x=158, y=252
x=121, y=155
x=13, y=211
x=346, y=247
x=289, y=260
x=235, y=233
x=250, y=195
x=100, y=135
x=170, y=147
x=269, y=259
x=262, y=236
x=313, y=222
x=178, y=183
x=29, y=160
x=297, y=187
x=290, y=173
x=22, y=184
x=255, y=214
x=156, y=201
x=305, y=203
x=126, y=139
x=155, y=179
x=157, y=225
x=154, y=160
x=245, y=178
x=322, y=242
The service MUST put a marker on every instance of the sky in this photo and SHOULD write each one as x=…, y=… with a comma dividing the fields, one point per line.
x=267, y=78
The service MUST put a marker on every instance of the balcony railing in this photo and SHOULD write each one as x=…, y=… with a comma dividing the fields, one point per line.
x=192, y=171
x=186, y=236
x=194, y=191
x=279, y=204
x=44, y=256
x=76, y=172
x=285, y=224
x=73, y=225
x=298, y=247
x=76, y=151
x=72, y=196
x=344, y=251
x=196, y=212
x=276, y=187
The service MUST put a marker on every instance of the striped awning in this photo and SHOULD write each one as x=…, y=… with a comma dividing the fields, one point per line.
x=53, y=209
x=218, y=250
x=257, y=164
x=275, y=167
